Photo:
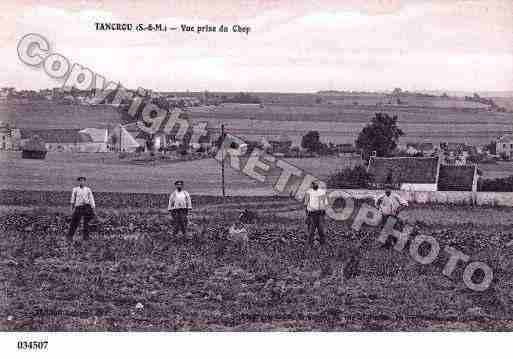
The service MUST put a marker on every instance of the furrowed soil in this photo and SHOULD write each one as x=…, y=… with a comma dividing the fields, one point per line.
x=134, y=274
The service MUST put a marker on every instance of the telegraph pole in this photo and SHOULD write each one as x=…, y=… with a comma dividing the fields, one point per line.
x=222, y=168
x=222, y=162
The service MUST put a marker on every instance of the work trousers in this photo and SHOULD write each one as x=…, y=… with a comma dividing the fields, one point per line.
x=81, y=212
x=315, y=222
x=179, y=220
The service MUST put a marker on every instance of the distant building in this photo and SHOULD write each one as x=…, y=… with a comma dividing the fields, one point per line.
x=97, y=140
x=34, y=148
x=504, y=146
x=405, y=173
x=455, y=153
x=411, y=149
x=69, y=140
x=346, y=148
x=6, y=92
x=427, y=148
x=279, y=144
x=457, y=178
x=422, y=174
x=121, y=140
x=9, y=138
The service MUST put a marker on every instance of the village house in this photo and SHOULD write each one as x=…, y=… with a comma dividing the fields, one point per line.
x=411, y=149
x=34, y=148
x=457, y=178
x=280, y=145
x=68, y=140
x=163, y=140
x=9, y=138
x=348, y=148
x=97, y=140
x=422, y=174
x=456, y=153
x=120, y=139
x=6, y=92
x=427, y=148
x=504, y=146
x=405, y=173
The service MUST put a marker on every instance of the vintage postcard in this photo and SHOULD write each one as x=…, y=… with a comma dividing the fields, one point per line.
x=256, y=166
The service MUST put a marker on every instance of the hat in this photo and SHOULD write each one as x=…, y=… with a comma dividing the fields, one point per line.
x=81, y=178
x=179, y=182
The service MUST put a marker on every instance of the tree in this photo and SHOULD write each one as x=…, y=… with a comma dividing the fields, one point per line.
x=311, y=141
x=397, y=91
x=381, y=136
x=492, y=147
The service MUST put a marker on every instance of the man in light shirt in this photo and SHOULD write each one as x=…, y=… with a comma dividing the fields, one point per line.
x=82, y=206
x=179, y=206
x=316, y=201
x=389, y=204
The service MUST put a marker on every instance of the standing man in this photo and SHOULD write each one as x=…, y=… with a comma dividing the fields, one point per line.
x=315, y=202
x=390, y=204
x=179, y=205
x=82, y=206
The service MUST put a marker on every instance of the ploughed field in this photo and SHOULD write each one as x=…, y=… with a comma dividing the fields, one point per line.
x=134, y=274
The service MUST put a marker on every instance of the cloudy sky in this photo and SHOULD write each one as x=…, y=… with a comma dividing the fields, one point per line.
x=292, y=46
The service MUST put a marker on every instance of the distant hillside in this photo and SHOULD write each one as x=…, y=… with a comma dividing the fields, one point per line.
x=45, y=114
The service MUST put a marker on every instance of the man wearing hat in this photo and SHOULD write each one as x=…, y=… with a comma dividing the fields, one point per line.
x=390, y=204
x=82, y=206
x=179, y=206
x=315, y=201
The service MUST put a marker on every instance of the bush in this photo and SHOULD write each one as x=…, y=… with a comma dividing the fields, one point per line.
x=356, y=177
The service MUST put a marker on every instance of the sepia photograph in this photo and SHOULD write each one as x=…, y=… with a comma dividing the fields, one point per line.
x=240, y=168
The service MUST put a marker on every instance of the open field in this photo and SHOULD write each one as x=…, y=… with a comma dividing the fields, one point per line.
x=422, y=121
x=106, y=173
x=60, y=170
x=278, y=281
x=45, y=114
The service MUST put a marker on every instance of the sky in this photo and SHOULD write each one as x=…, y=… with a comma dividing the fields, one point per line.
x=293, y=46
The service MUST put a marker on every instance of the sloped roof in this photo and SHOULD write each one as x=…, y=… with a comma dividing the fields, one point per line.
x=96, y=134
x=403, y=169
x=456, y=178
x=56, y=135
x=127, y=140
x=34, y=144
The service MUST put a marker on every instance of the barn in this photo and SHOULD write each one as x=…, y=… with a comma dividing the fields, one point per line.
x=457, y=178
x=405, y=173
x=34, y=148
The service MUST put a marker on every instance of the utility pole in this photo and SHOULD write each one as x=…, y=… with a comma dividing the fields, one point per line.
x=222, y=162
x=222, y=168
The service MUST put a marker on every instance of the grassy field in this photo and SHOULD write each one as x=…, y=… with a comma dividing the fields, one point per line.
x=106, y=173
x=45, y=114
x=135, y=275
x=427, y=120
x=59, y=171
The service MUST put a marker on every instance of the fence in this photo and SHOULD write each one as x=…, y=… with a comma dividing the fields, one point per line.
x=446, y=197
